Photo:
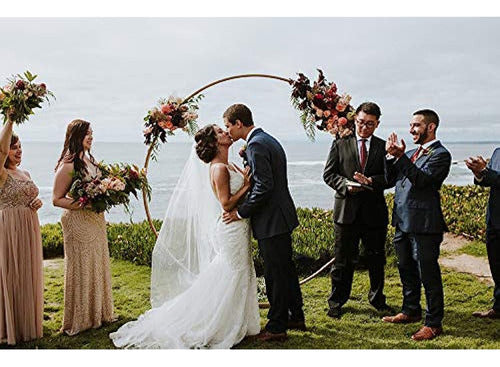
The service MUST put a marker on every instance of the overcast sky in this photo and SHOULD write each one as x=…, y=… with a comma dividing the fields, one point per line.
x=110, y=71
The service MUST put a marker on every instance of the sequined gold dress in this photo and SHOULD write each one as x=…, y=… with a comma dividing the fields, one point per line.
x=21, y=263
x=88, y=300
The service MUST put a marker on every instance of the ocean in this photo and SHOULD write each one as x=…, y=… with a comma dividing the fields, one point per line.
x=306, y=161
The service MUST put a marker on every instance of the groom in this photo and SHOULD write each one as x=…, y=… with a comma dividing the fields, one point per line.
x=273, y=217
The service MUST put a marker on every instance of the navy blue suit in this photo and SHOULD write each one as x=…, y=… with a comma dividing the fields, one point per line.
x=491, y=178
x=272, y=214
x=419, y=223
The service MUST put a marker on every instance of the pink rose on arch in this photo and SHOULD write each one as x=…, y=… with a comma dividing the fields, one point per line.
x=166, y=109
x=340, y=107
x=163, y=124
x=342, y=121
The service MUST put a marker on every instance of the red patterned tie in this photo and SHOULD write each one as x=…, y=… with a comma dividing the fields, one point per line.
x=363, y=155
x=415, y=155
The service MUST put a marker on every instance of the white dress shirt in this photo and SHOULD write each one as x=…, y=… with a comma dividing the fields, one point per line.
x=367, y=144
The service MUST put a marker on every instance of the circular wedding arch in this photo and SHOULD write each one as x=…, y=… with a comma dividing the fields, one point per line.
x=153, y=143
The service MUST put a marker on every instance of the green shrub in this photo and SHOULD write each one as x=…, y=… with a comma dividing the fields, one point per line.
x=52, y=240
x=132, y=242
x=464, y=209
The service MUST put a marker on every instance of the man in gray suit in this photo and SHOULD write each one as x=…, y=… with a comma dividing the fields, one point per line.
x=488, y=175
x=418, y=218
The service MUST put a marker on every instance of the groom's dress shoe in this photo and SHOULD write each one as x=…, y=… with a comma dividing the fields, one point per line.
x=297, y=325
x=427, y=333
x=490, y=314
x=267, y=336
x=402, y=318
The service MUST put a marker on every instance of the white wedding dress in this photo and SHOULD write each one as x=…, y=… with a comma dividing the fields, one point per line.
x=214, y=308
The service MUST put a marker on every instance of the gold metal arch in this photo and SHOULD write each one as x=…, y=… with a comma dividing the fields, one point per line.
x=151, y=147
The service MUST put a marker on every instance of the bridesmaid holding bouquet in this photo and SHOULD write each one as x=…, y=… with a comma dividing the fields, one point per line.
x=87, y=277
x=21, y=259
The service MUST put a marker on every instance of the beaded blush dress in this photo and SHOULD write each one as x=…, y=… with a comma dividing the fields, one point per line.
x=21, y=263
x=88, y=300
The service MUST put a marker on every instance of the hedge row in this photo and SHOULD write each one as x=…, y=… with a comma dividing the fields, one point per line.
x=463, y=206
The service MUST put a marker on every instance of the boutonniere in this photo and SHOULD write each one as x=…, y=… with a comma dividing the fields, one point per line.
x=428, y=152
x=243, y=151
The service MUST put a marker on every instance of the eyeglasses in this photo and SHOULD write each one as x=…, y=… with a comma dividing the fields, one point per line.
x=369, y=124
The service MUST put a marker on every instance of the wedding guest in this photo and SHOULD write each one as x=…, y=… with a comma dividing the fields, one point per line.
x=87, y=277
x=360, y=213
x=418, y=218
x=21, y=259
x=488, y=175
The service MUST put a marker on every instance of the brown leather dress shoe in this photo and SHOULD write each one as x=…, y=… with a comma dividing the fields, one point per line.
x=402, y=318
x=267, y=336
x=297, y=325
x=427, y=333
x=490, y=314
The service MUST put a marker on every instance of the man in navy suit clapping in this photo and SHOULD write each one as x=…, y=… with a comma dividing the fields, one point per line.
x=418, y=175
x=488, y=175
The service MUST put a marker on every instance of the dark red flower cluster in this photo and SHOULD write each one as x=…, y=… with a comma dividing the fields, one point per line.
x=322, y=105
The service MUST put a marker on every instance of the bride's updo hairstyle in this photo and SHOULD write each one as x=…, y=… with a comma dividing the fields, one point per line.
x=206, y=143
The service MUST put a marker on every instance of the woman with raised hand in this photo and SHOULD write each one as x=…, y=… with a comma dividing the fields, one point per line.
x=21, y=257
x=87, y=277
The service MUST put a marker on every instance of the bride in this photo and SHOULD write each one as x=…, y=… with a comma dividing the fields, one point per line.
x=203, y=285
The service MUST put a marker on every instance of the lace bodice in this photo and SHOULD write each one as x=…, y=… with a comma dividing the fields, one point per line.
x=17, y=193
x=235, y=181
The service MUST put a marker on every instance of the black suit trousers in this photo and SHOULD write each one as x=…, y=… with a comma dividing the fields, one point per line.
x=282, y=283
x=493, y=249
x=347, y=237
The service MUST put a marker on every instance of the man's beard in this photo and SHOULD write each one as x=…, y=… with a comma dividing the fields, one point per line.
x=423, y=137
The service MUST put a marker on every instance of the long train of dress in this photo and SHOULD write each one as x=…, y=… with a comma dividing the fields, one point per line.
x=217, y=311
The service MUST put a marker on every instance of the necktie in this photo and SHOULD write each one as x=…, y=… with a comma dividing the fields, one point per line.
x=363, y=155
x=415, y=155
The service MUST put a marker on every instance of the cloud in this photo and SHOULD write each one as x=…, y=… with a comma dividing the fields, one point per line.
x=111, y=70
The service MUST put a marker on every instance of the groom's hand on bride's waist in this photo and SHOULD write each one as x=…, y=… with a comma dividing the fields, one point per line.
x=232, y=216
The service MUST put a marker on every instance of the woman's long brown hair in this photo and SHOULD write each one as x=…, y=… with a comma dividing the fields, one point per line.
x=73, y=144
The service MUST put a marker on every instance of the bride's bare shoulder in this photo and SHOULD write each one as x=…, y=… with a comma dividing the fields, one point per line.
x=218, y=167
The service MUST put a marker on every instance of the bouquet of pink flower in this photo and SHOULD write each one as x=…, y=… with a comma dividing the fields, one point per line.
x=171, y=114
x=322, y=107
x=20, y=96
x=112, y=188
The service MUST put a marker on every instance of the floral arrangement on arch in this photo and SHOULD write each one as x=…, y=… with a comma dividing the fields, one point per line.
x=112, y=188
x=21, y=95
x=322, y=107
x=171, y=114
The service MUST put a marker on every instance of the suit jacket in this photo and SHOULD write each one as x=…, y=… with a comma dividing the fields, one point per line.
x=269, y=204
x=491, y=178
x=341, y=164
x=417, y=203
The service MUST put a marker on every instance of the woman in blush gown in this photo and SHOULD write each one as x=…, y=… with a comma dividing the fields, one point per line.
x=21, y=258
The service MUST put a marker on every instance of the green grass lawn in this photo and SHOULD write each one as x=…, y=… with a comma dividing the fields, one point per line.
x=360, y=326
x=474, y=248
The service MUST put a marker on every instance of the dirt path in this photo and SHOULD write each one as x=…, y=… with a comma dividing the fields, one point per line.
x=463, y=263
x=53, y=263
